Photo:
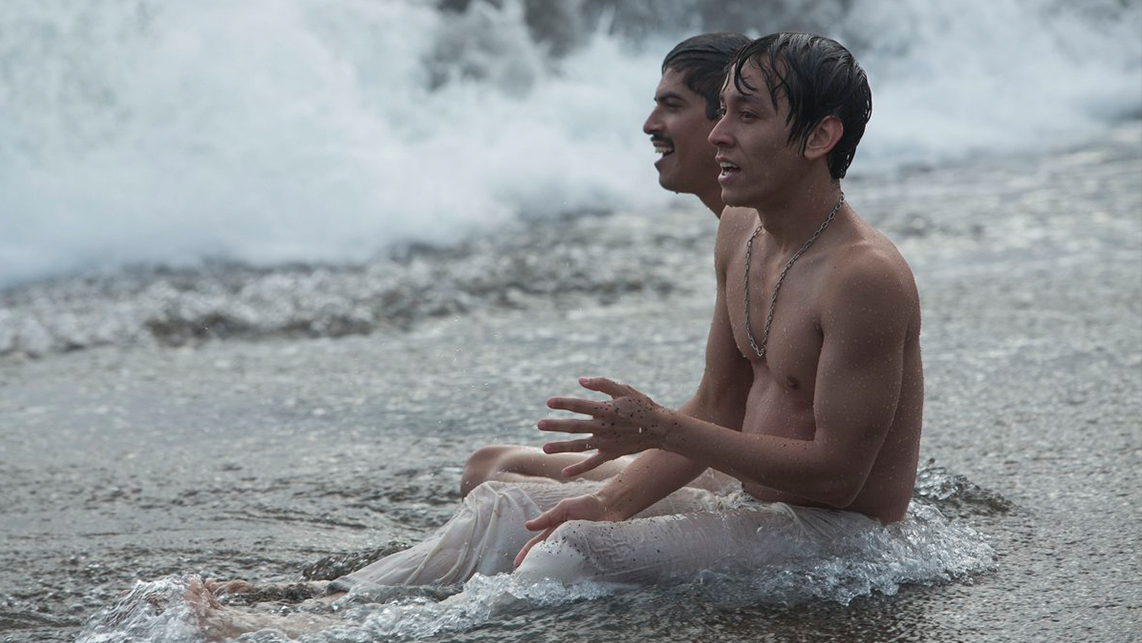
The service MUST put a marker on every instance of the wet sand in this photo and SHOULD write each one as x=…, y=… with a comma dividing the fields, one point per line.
x=253, y=459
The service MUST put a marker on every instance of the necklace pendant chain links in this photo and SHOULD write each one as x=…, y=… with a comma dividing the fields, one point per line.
x=760, y=350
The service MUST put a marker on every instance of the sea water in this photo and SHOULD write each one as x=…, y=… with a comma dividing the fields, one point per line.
x=465, y=203
x=279, y=132
x=925, y=547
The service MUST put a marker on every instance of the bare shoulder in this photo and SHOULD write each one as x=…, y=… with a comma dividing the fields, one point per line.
x=871, y=279
x=733, y=226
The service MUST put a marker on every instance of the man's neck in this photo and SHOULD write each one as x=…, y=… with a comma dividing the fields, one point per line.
x=792, y=217
x=713, y=199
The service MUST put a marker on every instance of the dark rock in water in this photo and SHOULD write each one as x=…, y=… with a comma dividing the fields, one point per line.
x=28, y=620
x=337, y=565
x=290, y=593
x=575, y=261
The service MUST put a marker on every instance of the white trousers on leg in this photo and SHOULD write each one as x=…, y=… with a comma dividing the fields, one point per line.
x=687, y=532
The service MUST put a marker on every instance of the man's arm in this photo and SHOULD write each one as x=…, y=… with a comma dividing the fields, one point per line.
x=868, y=316
x=720, y=399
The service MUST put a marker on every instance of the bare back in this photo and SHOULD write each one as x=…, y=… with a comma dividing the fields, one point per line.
x=811, y=372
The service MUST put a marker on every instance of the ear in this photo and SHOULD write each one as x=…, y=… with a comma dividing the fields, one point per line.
x=824, y=137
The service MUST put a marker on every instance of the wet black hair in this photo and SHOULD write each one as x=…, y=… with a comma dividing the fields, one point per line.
x=703, y=61
x=818, y=78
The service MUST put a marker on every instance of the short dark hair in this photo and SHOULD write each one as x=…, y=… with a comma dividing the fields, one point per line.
x=703, y=61
x=818, y=78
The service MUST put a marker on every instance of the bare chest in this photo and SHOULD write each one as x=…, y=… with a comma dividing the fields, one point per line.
x=791, y=343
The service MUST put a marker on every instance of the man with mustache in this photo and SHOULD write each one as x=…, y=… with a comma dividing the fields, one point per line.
x=685, y=111
x=812, y=400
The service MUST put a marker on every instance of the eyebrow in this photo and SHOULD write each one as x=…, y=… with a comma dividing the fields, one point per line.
x=749, y=99
x=659, y=98
x=745, y=98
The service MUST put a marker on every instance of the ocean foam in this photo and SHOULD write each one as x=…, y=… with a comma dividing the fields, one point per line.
x=924, y=548
x=266, y=132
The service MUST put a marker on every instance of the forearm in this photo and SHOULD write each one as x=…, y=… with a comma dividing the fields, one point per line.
x=804, y=468
x=654, y=475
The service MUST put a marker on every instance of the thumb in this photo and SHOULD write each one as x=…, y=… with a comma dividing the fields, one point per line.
x=531, y=543
x=551, y=518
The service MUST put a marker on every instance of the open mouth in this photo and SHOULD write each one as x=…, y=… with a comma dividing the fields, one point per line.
x=728, y=169
x=663, y=146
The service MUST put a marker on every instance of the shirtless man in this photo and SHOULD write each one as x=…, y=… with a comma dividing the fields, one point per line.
x=819, y=407
x=812, y=399
x=685, y=111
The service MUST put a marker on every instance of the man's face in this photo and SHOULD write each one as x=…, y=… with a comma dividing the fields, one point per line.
x=679, y=129
x=755, y=159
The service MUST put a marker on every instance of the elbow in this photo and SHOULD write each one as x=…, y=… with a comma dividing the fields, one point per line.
x=837, y=492
x=725, y=408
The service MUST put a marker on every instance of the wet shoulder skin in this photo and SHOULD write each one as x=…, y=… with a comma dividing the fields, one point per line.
x=843, y=366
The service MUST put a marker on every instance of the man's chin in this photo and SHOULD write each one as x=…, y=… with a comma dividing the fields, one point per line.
x=734, y=202
x=668, y=182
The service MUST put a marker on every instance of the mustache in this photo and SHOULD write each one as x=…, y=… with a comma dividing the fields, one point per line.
x=655, y=138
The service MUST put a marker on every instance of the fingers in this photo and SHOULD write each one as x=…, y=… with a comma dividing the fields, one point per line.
x=570, y=426
x=586, y=465
x=591, y=407
x=221, y=588
x=576, y=405
x=200, y=597
x=570, y=446
x=553, y=517
x=604, y=385
x=531, y=543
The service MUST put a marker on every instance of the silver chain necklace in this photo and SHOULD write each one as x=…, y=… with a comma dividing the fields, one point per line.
x=780, y=278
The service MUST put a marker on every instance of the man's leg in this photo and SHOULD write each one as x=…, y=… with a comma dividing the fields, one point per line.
x=678, y=548
x=516, y=463
x=483, y=537
x=219, y=623
x=488, y=531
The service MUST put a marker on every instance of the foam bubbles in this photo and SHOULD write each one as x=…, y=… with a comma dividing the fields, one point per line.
x=924, y=548
x=277, y=131
x=272, y=132
x=150, y=611
x=988, y=77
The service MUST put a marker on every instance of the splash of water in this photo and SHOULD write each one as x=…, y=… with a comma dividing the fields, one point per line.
x=924, y=548
x=150, y=611
x=147, y=132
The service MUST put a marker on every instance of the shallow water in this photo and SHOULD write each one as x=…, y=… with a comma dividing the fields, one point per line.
x=255, y=459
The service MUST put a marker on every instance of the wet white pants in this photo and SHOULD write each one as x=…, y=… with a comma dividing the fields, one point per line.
x=689, y=531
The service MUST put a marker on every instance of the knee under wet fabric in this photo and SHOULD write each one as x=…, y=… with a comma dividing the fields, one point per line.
x=681, y=536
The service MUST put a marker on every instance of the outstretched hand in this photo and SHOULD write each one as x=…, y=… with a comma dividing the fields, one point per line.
x=588, y=507
x=629, y=422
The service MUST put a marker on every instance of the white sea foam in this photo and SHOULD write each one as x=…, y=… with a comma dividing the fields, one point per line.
x=953, y=80
x=145, y=132
x=268, y=132
x=150, y=611
x=924, y=548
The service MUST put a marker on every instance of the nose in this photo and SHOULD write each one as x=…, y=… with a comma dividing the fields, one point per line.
x=653, y=124
x=720, y=134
